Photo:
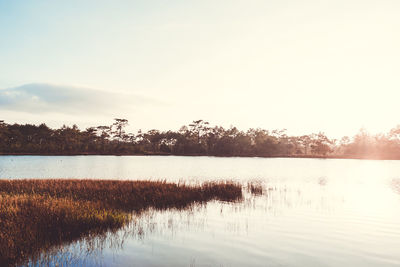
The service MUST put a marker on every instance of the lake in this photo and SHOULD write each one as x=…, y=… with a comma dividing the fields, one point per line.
x=313, y=212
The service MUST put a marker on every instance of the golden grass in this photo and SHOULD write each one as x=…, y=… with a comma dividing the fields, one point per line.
x=36, y=215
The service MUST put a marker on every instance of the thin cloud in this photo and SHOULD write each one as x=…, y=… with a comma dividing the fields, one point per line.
x=38, y=98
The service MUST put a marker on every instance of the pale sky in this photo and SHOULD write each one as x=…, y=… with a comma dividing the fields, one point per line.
x=308, y=66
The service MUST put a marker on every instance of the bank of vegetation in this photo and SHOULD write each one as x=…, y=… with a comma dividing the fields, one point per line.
x=197, y=138
x=36, y=215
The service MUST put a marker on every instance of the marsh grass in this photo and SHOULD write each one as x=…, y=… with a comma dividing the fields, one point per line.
x=255, y=188
x=36, y=215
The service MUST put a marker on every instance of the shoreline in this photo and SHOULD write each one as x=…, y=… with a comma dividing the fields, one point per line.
x=202, y=155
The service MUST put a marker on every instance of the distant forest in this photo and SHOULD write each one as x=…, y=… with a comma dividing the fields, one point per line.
x=197, y=138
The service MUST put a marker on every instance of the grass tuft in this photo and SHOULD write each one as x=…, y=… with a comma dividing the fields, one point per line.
x=255, y=188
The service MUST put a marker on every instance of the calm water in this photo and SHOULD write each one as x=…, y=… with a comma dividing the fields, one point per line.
x=313, y=213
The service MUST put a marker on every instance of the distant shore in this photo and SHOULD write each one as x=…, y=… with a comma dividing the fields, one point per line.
x=195, y=139
x=372, y=157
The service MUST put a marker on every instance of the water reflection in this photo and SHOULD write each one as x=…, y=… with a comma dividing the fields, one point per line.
x=395, y=184
x=85, y=252
x=91, y=251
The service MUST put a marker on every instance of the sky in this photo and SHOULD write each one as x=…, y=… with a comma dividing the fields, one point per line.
x=307, y=66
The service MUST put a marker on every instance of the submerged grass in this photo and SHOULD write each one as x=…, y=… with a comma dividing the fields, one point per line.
x=36, y=215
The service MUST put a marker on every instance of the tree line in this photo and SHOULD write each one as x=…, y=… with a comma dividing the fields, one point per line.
x=197, y=138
